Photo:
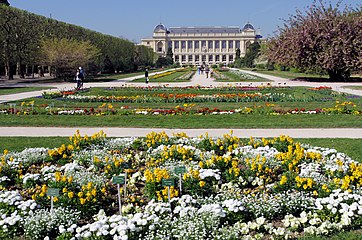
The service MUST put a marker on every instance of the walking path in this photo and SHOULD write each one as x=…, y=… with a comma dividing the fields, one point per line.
x=139, y=132
x=200, y=80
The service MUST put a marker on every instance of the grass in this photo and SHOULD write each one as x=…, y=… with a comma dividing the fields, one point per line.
x=111, y=77
x=354, y=87
x=349, y=146
x=351, y=235
x=289, y=74
x=14, y=90
x=174, y=77
x=186, y=121
x=20, y=143
x=232, y=77
x=352, y=147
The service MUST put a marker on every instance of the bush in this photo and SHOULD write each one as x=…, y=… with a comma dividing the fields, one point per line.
x=261, y=66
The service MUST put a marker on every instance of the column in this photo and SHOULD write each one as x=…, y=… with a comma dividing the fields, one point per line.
x=242, y=48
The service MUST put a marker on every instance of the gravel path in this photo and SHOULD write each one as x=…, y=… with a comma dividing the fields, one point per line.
x=138, y=132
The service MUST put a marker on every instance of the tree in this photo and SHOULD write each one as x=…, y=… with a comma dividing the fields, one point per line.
x=66, y=55
x=237, y=54
x=323, y=38
x=5, y=2
x=169, y=56
x=251, y=54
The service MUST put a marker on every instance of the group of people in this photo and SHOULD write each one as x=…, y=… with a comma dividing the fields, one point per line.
x=79, y=77
x=204, y=68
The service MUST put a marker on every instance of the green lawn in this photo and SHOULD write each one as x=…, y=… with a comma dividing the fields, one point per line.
x=351, y=235
x=174, y=77
x=289, y=74
x=111, y=77
x=354, y=87
x=186, y=121
x=14, y=90
x=233, y=77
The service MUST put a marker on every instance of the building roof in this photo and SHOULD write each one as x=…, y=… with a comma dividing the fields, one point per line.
x=248, y=26
x=179, y=30
x=159, y=27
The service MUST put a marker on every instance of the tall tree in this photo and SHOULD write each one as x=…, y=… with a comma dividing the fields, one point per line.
x=324, y=37
x=66, y=55
x=5, y=2
x=169, y=56
x=251, y=54
x=237, y=54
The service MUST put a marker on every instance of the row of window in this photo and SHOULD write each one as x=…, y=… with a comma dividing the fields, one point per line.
x=204, y=44
x=204, y=58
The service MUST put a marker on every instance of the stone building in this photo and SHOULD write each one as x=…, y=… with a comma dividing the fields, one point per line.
x=197, y=45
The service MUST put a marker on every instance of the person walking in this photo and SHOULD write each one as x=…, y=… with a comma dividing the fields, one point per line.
x=78, y=79
x=207, y=71
x=146, y=75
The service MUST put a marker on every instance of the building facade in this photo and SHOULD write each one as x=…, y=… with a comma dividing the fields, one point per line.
x=198, y=45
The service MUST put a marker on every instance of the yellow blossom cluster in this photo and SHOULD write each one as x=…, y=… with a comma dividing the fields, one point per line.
x=234, y=170
x=157, y=175
x=177, y=152
x=291, y=159
x=260, y=167
x=305, y=183
x=343, y=108
x=154, y=139
x=77, y=142
x=63, y=152
x=162, y=195
x=192, y=173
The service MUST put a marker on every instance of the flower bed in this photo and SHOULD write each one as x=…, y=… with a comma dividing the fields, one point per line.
x=263, y=189
x=185, y=109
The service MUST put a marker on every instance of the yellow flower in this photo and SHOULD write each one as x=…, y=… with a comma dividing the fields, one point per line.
x=82, y=201
x=70, y=195
x=283, y=180
x=202, y=183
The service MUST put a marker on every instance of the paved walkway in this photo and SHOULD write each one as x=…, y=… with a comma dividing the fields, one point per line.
x=198, y=79
x=138, y=132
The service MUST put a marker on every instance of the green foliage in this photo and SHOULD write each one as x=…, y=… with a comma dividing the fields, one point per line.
x=325, y=37
x=251, y=54
x=66, y=55
x=22, y=32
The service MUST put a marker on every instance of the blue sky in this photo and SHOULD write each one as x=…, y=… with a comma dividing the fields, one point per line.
x=136, y=19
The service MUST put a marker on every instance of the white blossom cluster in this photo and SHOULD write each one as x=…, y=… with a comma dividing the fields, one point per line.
x=71, y=112
x=41, y=223
x=212, y=173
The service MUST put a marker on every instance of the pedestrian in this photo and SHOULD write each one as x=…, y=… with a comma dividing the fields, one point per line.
x=207, y=71
x=81, y=76
x=146, y=75
x=198, y=69
x=211, y=72
x=78, y=79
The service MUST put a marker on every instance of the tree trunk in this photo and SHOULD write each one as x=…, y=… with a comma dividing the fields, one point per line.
x=339, y=75
x=32, y=71
x=9, y=71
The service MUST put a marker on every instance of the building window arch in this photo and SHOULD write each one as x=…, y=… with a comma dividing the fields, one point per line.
x=159, y=47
